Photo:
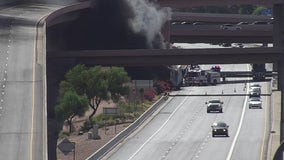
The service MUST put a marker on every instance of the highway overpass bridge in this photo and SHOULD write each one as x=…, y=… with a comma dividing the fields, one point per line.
x=157, y=57
x=197, y=3
x=213, y=18
x=213, y=34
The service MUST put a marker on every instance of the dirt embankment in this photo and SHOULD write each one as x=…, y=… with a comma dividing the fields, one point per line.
x=84, y=147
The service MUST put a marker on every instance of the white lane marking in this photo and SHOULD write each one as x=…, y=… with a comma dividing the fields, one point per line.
x=265, y=125
x=139, y=149
x=229, y=156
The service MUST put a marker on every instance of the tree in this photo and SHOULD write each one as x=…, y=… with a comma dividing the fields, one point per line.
x=246, y=9
x=70, y=105
x=258, y=10
x=76, y=77
x=104, y=84
x=96, y=87
x=97, y=83
x=117, y=80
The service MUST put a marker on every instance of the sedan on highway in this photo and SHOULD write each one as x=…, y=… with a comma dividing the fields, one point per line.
x=220, y=128
x=255, y=102
x=254, y=92
x=214, y=105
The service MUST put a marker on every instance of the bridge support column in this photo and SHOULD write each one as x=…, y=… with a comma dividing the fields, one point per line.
x=166, y=33
x=278, y=15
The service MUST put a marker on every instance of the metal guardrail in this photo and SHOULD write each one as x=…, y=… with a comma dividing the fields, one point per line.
x=126, y=132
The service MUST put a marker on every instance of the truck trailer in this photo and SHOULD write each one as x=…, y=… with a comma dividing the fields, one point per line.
x=258, y=72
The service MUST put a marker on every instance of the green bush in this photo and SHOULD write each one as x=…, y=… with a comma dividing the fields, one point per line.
x=63, y=134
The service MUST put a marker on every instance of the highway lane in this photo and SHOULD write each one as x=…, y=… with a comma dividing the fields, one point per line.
x=23, y=112
x=181, y=129
x=254, y=132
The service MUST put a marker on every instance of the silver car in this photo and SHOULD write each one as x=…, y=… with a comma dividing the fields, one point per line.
x=255, y=102
x=214, y=105
x=254, y=92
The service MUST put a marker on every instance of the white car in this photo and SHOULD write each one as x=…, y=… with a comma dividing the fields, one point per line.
x=255, y=102
x=255, y=85
x=214, y=105
x=230, y=27
x=254, y=90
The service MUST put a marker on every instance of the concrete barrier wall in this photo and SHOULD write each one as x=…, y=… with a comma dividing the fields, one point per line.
x=122, y=135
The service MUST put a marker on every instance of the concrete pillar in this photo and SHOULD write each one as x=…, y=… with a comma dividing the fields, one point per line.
x=277, y=35
x=277, y=25
x=167, y=33
x=278, y=15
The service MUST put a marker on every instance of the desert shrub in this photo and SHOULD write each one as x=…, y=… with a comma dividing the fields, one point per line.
x=161, y=86
x=149, y=94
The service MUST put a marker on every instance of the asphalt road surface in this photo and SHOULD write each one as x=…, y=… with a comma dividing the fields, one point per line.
x=22, y=111
x=182, y=128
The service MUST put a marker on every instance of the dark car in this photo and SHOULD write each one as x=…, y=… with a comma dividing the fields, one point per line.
x=230, y=27
x=220, y=128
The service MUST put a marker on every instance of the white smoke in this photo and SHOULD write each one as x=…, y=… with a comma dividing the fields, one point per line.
x=149, y=19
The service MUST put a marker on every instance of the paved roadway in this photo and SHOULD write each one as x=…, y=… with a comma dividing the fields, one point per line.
x=181, y=129
x=22, y=102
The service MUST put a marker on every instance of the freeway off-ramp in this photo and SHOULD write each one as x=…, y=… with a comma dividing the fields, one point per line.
x=23, y=106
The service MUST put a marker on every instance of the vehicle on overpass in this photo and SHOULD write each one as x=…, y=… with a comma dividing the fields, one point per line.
x=230, y=27
x=186, y=23
x=259, y=23
x=258, y=72
x=243, y=23
x=220, y=128
x=214, y=105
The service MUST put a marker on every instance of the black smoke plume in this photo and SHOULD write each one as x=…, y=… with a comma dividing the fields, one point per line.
x=129, y=24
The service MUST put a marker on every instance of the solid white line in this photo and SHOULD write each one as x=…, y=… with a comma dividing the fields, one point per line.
x=33, y=91
x=158, y=129
x=265, y=125
x=229, y=156
x=238, y=131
